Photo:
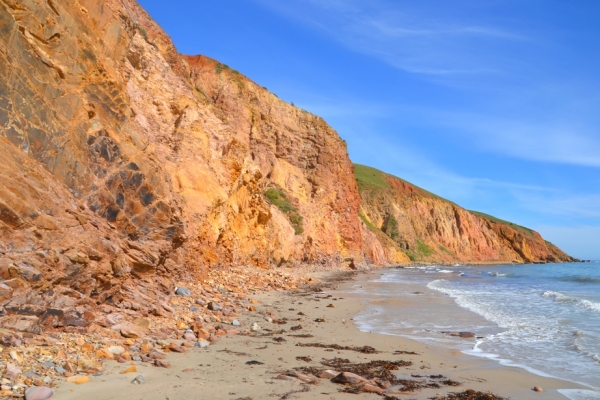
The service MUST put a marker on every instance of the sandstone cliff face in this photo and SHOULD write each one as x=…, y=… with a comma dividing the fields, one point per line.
x=126, y=166
x=426, y=227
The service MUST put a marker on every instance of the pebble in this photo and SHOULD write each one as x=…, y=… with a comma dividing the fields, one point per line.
x=538, y=389
x=202, y=343
x=48, y=364
x=60, y=369
x=39, y=393
x=235, y=322
x=78, y=379
x=193, y=309
x=162, y=364
x=138, y=380
x=189, y=335
x=183, y=291
x=269, y=319
x=132, y=368
x=116, y=350
x=466, y=335
x=214, y=306
x=255, y=327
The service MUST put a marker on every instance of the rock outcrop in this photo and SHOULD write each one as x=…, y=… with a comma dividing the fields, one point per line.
x=404, y=219
x=126, y=167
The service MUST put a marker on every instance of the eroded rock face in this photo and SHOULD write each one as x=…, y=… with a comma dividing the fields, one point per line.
x=126, y=167
x=404, y=218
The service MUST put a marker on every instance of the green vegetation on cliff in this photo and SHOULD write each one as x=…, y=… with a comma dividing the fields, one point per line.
x=488, y=217
x=279, y=199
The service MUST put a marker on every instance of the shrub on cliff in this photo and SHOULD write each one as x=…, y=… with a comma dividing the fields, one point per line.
x=278, y=198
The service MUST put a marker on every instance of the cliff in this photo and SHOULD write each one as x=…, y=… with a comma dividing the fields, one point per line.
x=408, y=222
x=127, y=168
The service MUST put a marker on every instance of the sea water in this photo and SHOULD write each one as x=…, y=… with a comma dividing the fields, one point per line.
x=542, y=317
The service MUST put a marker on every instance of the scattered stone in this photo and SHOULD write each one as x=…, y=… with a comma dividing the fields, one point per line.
x=78, y=379
x=178, y=349
x=202, y=343
x=367, y=387
x=12, y=372
x=132, y=368
x=214, y=306
x=138, y=380
x=254, y=362
x=330, y=306
x=537, y=389
x=48, y=364
x=235, y=322
x=116, y=350
x=193, y=309
x=39, y=393
x=183, y=291
x=284, y=378
x=162, y=364
x=189, y=335
x=466, y=335
x=157, y=355
x=255, y=327
x=60, y=370
x=320, y=320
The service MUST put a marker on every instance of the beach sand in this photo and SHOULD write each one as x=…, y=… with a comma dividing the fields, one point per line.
x=220, y=370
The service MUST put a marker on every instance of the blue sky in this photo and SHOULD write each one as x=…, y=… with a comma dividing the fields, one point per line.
x=494, y=104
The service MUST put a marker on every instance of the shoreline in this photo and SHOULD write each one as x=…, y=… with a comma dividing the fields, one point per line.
x=220, y=370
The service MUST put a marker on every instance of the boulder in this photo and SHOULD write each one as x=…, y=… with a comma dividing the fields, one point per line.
x=39, y=393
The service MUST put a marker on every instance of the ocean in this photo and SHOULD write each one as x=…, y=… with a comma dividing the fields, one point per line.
x=542, y=317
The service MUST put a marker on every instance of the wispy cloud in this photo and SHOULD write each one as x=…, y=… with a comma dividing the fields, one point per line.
x=405, y=38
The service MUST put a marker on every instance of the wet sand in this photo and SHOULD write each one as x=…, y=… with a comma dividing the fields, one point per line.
x=220, y=370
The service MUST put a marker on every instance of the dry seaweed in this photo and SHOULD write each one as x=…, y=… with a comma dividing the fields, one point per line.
x=363, y=349
x=470, y=395
x=237, y=353
x=302, y=335
x=398, y=352
x=378, y=369
x=304, y=358
x=279, y=339
x=295, y=328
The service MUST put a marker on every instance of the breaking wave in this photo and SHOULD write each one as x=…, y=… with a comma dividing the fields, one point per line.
x=561, y=298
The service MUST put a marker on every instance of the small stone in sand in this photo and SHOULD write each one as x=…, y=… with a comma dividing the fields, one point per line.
x=78, y=379
x=189, y=335
x=129, y=370
x=235, y=322
x=138, y=380
x=214, y=306
x=466, y=335
x=255, y=327
x=162, y=364
x=202, y=343
x=538, y=389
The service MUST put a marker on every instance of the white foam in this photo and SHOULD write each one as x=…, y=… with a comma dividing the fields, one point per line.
x=445, y=271
x=562, y=298
x=579, y=394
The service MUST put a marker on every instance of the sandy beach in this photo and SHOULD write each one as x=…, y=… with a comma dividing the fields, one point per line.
x=257, y=365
